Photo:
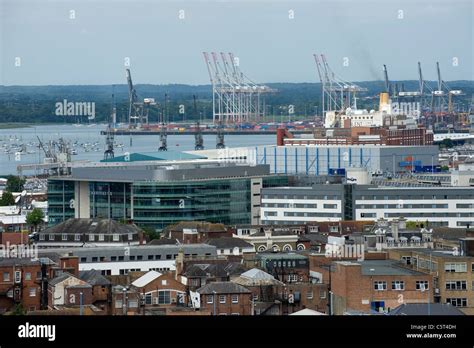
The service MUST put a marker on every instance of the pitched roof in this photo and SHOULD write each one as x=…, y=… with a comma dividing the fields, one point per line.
x=94, y=277
x=256, y=277
x=229, y=242
x=162, y=241
x=201, y=226
x=220, y=270
x=146, y=279
x=96, y=226
x=425, y=308
x=60, y=278
x=223, y=288
x=256, y=273
x=308, y=311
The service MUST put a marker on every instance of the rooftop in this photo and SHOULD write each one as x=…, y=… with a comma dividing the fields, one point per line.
x=229, y=242
x=382, y=268
x=146, y=279
x=425, y=309
x=155, y=156
x=223, y=288
x=92, y=226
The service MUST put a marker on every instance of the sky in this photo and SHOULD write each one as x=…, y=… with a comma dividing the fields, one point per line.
x=69, y=42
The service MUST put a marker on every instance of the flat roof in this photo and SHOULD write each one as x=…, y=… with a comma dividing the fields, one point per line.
x=383, y=268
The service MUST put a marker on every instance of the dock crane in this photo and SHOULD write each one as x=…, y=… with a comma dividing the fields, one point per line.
x=137, y=110
x=163, y=129
x=387, y=83
x=109, y=140
x=198, y=139
x=220, y=144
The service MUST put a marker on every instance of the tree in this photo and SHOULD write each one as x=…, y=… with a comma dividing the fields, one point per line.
x=15, y=183
x=7, y=199
x=150, y=233
x=447, y=143
x=35, y=217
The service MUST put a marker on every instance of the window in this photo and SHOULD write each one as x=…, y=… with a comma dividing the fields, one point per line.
x=113, y=258
x=132, y=257
x=51, y=237
x=120, y=258
x=64, y=236
x=101, y=237
x=38, y=275
x=17, y=276
x=130, y=236
x=115, y=237
x=210, y=299
x=458, y=267
x=398, y=285
x=32, y=292
x=309, y=295
x=133, y=304
x=95, y=259
x=83, y=259
x=150, y=257
x=164, y=282
x=457, y=302
x=118, y=304
x=27, y=276
x=6, y=276
x=77, y=237
x=91, y=237
x=139, y=257
x=456, y=285
x=380, y=285
x=168, y=257
x=148, y=299
x=235, y=298
x=292, y=277
x=164, y=297
x=222, y=298
x=322, y=293
x=41, y=237
x=422, y=285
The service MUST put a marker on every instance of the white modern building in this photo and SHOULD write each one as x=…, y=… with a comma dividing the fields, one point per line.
x=451, y=206
x=297, y=205
x=121, y=260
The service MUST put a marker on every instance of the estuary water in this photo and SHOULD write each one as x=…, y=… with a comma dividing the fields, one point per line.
x=21, y=145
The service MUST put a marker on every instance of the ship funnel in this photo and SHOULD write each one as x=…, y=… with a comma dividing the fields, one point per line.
x=384, y=100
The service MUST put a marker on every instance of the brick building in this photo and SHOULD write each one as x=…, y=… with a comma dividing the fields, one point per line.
x=158, y=291
x=67, y=290
x=194, y=232
x=101, y=288
x=20, y=284
x=226, y=298
x=453, y=274
x=377, y=285
x=286, y=267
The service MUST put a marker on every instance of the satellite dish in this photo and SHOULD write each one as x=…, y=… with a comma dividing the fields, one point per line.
x=23, y=193
x=17, y=199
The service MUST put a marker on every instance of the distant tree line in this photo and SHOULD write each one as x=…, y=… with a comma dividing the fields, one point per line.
x=36, y=104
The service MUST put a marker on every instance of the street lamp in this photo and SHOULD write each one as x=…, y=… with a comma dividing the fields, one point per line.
x=80, y=303
x=215, y=299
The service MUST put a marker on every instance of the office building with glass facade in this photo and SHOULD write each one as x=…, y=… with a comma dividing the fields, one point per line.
x=157, y=195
